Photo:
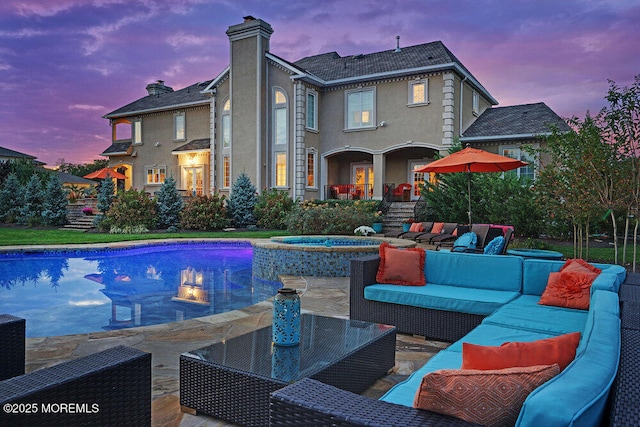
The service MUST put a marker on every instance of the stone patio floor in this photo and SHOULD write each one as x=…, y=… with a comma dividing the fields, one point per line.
x=324, y=296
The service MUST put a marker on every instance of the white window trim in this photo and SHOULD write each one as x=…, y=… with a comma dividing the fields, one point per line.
x=315, y=110
x=315, y=168
x=346, y=109
x=475, y=103
x=223, y=114
x=275, y=170
x=175, y=129
x=155, y=169
x=411, y=84
x=136, y=123
x=533, y=163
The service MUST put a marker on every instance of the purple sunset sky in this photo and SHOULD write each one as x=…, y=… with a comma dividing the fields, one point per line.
x=66, y=63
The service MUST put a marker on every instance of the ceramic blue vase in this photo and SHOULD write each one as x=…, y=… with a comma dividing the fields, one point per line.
x=286, y=317
x=285, y=362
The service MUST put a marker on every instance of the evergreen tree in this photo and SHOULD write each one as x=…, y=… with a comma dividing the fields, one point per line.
x=242, y=201
x=31, y=210
x=106, y=195
x=11, y=199
x=54, y=207
x=169, y=204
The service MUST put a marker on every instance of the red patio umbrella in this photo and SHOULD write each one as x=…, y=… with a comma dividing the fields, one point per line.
x=102, y=174
x=472, y=160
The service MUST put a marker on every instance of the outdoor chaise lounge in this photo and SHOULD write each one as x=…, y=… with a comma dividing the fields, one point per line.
x=443, y=229
x=111, y=387
x=469, y=299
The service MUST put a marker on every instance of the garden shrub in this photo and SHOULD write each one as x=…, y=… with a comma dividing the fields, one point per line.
x=272, y=208
x=332, y=217
x=135, y=229
x=132, y=208
x=204, y=213
x=242, y=201
x=169, y=204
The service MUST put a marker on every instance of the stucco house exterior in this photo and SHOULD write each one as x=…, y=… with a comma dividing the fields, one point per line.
x=320, y=127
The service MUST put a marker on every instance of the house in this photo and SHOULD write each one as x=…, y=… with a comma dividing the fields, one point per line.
x=323, y=126
x=7, y=155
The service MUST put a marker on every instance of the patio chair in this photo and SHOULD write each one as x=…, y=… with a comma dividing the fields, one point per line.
x=449, y=237
x=411, y=235
x=402, y=193
x=111, y=387
x=447, y=229
x=480, y=230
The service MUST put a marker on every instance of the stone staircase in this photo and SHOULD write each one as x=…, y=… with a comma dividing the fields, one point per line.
x=79, y=223
x=398, y=212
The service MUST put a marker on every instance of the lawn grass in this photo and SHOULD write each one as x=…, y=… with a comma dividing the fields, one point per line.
x=30, y=236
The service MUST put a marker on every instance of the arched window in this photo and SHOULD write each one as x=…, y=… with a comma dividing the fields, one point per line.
x=226, y=124
x=280, y=137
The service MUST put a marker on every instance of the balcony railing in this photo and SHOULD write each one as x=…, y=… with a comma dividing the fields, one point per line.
x=349, y=191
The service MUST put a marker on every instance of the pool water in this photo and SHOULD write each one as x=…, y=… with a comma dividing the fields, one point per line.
x=61, y=293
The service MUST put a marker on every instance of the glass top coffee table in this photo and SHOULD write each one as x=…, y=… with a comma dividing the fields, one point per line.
x=232, y=380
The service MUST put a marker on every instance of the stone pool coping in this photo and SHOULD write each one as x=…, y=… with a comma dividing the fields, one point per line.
x=279, y=242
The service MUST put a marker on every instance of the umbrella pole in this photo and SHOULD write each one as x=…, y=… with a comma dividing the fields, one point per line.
x=469, y=194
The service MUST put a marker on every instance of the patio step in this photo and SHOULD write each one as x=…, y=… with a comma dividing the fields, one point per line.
x=398, y=212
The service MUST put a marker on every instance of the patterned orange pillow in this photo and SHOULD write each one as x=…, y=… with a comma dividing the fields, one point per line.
x=560, y=350
x=416, y=227
x=490, y=398
x=401, y=266
x=437, y=227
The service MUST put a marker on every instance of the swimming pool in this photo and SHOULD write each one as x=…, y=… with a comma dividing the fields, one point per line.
x=71, y=292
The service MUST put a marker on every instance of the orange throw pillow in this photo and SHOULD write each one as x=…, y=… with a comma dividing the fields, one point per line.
x=490, y=398
x=416, y=227
x=401, y=266
x=571, y=286
x=437, y=227
x=560, y=350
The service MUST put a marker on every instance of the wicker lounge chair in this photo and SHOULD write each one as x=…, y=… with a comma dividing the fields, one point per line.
x=411, y=235
x=447, y=229
x=111, y=387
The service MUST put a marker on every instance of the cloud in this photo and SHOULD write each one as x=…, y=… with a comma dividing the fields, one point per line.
x=86, y=107
x=182, y=39
x=22, y=34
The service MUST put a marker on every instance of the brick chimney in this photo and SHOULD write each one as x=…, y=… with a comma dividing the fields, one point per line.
x=158, y=88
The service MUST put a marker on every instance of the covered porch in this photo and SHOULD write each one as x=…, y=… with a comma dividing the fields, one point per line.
x=353, y=174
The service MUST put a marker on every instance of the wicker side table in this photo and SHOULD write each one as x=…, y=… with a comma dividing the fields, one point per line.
x=12, y=346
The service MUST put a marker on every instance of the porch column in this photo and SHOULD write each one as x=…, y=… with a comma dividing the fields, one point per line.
x=379, y=173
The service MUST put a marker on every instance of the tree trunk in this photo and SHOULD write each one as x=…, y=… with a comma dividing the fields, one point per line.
x=626, y=238
x=586, y=242
x=615, y=236
x=635, y=243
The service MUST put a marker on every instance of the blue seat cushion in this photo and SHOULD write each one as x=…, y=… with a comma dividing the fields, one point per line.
x=525, y=313
x=441, y=297
x=403, y=393
x=495, y=335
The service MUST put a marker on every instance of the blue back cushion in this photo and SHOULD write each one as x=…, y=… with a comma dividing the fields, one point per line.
x=497, y=272
x=466, y=241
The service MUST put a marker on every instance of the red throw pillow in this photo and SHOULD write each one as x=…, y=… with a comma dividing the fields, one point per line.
x=437, y=227
x=569, y=289
x=416, y=227
x=401, y=266
x=560, y=350
x=490, y=398
x=577, y=264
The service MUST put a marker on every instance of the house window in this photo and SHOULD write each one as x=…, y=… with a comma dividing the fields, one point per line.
x=136, y=131
x=281, y=169
x=226, y=172
x=517, y=153
x=226, y=124
x=312, y=109
x=280, y=116
x=311, y=167
x=360, y=108
x=418, y=92
x=179, y=132
x=155, y=174
x=476, y=103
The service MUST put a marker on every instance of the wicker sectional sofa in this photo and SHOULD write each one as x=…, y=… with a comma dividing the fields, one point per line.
x=480, y=299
